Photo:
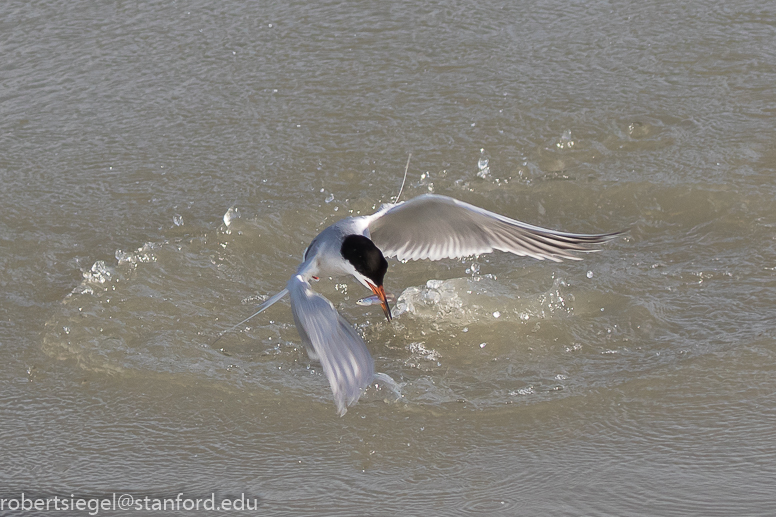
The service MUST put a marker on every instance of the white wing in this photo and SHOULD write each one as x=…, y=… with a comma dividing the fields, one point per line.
x=343, y=355
x=436, y=227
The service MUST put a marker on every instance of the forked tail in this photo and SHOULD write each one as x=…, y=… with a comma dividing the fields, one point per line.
x=261, y=309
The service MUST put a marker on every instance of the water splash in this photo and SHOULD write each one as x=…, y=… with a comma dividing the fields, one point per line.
x=144, y=254
x=482, y=298
x=565, y=142
x=98, y=274
x=230, y=215
x=483, y=164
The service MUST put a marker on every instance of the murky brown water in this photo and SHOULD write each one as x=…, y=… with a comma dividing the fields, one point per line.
x=639, y=381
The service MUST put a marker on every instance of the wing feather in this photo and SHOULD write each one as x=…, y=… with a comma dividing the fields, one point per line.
x=436, y=227
x=343, y=354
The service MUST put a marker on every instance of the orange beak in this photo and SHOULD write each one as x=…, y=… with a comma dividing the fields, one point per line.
x=380, y=292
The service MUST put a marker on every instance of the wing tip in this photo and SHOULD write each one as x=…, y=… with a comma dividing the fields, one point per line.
x=344, y=400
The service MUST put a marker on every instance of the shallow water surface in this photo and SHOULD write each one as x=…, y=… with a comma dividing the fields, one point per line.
x=164, y=167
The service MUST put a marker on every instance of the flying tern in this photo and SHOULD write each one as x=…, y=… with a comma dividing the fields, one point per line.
x=431, y=227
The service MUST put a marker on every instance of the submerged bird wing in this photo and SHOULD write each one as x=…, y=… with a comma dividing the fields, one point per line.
x=343, y=355
x=436, y=227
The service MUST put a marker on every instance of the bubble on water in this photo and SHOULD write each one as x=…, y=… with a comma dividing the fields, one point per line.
x=589, y=274
x=496, y=314
x=565, y=141
x=329, y=198
x=177, y=219
x=483, y=345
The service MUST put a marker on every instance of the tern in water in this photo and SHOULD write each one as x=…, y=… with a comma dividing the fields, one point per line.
x=429, y=227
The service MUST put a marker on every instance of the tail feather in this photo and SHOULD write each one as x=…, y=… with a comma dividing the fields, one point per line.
x=264, y=306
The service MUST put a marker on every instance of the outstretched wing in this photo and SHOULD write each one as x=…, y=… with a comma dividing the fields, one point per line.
x=343, y=355
x=436, y=227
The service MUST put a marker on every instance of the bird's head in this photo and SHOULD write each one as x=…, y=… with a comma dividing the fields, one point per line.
x=369, y=264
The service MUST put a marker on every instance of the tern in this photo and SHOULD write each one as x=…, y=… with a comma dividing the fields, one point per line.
x=429, y=226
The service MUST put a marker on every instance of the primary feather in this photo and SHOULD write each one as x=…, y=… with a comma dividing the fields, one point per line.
x=435, y=227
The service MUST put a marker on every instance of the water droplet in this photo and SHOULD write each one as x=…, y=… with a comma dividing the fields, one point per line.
x=230, y=215
x=482, y=164
x=330, y=198
x=482, y=345
x=177, y=219
x=496, y=314
x=589, y=274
